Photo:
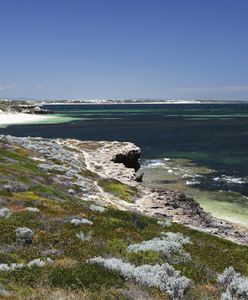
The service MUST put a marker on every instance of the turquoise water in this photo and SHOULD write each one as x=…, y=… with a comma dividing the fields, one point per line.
x=212, y=140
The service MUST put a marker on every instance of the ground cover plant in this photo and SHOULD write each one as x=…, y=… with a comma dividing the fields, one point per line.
x=73, y=241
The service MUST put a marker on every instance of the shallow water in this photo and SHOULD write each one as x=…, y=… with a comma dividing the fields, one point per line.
x=218, y=198
x=206, y=140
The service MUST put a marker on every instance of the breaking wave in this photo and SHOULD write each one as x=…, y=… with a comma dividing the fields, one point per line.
x=154, y=163
x=189, y=173
x=229, y=179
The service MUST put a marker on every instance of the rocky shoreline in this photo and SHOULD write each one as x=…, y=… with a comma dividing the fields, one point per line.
x=85, y=167
x=23, y=107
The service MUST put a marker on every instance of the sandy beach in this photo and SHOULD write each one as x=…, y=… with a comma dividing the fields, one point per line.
x=21, y=118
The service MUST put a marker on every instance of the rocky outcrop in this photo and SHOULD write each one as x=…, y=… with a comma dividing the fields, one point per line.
x=29, y=109
x=139, y=178
x=129, y=158
x=185, y=210
x=12, y=106
x=78, y=166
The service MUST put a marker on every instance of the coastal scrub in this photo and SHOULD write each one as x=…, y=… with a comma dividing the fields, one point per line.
x=83, y=246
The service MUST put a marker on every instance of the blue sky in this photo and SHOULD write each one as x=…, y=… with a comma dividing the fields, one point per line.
x=124, y=49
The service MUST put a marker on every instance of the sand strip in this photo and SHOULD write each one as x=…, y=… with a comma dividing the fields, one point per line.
x=21, y=118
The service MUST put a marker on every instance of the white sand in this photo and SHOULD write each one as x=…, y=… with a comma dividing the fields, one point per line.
x=20, y=118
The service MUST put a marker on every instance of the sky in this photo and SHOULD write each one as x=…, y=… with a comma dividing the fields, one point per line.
x=88, y=49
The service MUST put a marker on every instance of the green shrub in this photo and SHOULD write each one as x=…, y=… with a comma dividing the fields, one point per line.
x=84, y=276
x=119, y=189
x=117, y=245
x=142, y=258
x=27, y=276
x=112, y=222
x=5, y=193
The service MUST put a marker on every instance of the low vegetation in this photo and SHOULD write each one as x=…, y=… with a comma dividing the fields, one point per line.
x=112, y=263
x=119, y=189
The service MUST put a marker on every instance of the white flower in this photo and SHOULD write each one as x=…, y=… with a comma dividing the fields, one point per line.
x=36, y=262
x=78, y=222
x=97, y=208
x=168, y=245
x=40, y=262
x=165, y=277
x=5, y=213
x=83, y=236
x=236, y=285
x=32, y=209
x=164, y=223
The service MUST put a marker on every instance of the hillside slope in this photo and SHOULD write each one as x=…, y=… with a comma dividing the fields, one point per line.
x=72, y=227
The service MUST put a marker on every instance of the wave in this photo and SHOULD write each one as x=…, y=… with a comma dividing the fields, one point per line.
x=192, y=182
x=155, y=163
x=189, y=175
x=229, y=179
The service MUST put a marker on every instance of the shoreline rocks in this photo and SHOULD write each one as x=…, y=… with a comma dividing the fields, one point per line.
x=129, y=158
x=23, y=107
x=83, y=163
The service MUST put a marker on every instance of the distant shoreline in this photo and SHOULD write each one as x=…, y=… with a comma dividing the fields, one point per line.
x=142, y=103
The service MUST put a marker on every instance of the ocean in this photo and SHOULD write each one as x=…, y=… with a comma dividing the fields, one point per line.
x=201, y=149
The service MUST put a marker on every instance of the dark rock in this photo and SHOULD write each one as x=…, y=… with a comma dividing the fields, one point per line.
x=35, y=110
x=139, y=178
x=130, y=159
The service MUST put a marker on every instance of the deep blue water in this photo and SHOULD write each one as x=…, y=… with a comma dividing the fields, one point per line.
x=215, y=136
